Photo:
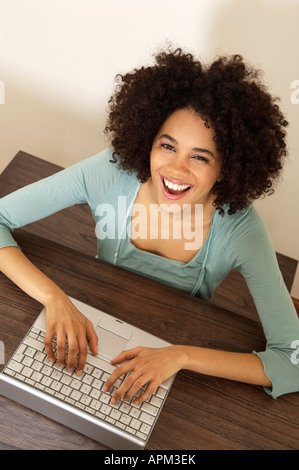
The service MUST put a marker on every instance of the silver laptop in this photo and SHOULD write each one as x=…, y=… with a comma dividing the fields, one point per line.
x=80, y=403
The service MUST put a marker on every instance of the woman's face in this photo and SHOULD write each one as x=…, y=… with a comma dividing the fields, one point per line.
x=184, y=161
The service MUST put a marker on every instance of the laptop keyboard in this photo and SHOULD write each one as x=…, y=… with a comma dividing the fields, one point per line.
x=31, y=365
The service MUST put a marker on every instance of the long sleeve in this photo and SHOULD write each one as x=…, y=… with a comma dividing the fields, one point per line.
x=255, y=258
x=82, y=182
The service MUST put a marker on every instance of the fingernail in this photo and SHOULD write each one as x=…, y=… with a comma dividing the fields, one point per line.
x=112, y=401
x=105, y=388
x=79, y=372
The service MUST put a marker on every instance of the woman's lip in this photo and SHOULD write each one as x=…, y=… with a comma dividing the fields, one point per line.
x=173, y=197
x=174, y=181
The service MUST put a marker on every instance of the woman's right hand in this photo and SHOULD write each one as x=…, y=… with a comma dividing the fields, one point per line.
x=63, y=319
x=69, y=326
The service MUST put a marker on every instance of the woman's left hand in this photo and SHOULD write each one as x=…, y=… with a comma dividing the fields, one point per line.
x=150, y=366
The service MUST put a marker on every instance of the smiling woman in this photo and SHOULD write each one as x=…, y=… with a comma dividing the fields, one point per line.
x=184, y=136
x=184, y=161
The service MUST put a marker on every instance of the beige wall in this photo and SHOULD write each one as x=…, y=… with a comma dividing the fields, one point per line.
x=58, y=60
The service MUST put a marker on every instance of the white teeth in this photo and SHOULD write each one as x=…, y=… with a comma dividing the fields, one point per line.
x=175, y=187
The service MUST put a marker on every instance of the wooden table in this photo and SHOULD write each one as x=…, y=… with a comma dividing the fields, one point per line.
x=201, y=412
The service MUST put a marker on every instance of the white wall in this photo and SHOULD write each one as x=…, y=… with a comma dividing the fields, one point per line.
x=58, y=60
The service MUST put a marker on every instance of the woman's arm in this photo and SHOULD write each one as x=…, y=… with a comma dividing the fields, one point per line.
x=154, y=366
x=83, y=182
x=63, y=318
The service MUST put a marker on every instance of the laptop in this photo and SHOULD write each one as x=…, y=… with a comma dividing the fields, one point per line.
x=80, y=403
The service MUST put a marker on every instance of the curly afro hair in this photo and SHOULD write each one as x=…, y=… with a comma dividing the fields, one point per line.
x=229, y=97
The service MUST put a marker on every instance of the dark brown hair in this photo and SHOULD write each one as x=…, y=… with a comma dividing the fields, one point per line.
x=228, y=95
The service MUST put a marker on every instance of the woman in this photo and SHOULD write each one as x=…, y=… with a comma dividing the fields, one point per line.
x=183, y=135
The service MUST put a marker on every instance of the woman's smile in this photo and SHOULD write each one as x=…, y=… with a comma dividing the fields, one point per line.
x=174, y=189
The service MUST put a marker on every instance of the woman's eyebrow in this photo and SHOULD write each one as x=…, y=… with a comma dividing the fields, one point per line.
x=195, y=149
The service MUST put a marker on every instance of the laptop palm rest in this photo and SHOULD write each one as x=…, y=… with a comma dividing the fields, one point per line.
x=113, y=337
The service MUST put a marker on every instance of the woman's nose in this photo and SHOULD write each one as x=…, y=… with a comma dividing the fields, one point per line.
x=180, y=166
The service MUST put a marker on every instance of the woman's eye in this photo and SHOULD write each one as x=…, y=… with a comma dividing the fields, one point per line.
x=201, y=158
x=167, y=147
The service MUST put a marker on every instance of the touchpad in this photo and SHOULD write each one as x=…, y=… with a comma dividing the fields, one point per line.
x=113, y=337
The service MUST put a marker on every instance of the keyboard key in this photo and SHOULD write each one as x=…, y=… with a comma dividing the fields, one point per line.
x=161, y=392
x=47, y=370
x=37, y=366
x=120, y=425
x=66, y=390
x=88, y=369
x=30, y=351
x=115, y=414
x=141, y=435
x=27, y=361
x=36, y=376
x=88, y=379
x=15, y=366
x=85, y=389
x=95, y=404
x=46, y=381
x=125, y=407
x=105, y=376
x=130, y=430
x=95, y=393
x=40, y=356
x=153, y=410
x=76, y=395
x=56, y=374
x=89, y=410
x=97, y=384
x=27, y=371
x=34, y=343
x=97, y=373
x=145, y=428
x=134, y=412
x=126, y=419
x=69, y=400
x=66, y=379
x=105, y=409
x=75, y=384
x=156, y=401
x=56, y=385
x=110, y=420
x=104, y=398
x=146, y=418
x=85, y=399
x=135, y=423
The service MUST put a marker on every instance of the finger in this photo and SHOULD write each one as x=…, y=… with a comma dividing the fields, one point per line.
x=127, y=355
x=116, y=374
x=92, y=337
x=82, y=355
x=48, y=346
x=150, y=389
x=72, y=352
x=129, y=387
x=60, y=348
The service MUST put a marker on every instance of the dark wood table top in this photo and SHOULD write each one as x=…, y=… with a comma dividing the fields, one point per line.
x=201, y=412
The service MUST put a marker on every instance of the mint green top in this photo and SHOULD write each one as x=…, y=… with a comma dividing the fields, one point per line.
x=237, y=241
